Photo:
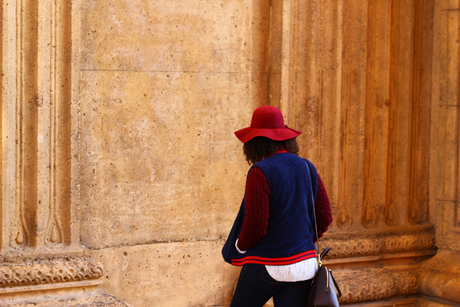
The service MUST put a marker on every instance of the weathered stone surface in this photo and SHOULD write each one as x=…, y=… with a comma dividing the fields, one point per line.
x=440, y=277
x=168, y=274
x=163, y=87
x=172, y=36
x=117, y=134
x=158, y=161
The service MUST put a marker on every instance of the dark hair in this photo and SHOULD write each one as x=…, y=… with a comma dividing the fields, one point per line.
x=260, y=147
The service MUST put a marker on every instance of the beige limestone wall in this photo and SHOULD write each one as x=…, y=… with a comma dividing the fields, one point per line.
x=120, y=167
x=41, y=259
x=171, y=274
x=163, y=85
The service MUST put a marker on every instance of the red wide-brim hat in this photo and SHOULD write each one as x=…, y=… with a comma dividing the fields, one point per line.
x=267, y=121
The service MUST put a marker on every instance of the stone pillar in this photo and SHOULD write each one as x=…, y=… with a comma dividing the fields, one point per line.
x=42, y=260
x=357, y=78
x=440, y=275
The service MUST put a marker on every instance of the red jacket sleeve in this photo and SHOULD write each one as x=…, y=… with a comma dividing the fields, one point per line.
x=323, y=209
x=257, y=205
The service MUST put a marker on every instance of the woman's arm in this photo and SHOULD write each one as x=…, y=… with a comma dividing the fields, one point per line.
x=257, y=203
x=323, y=209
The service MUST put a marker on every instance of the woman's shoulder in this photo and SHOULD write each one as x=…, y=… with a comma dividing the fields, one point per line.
x=283, y=160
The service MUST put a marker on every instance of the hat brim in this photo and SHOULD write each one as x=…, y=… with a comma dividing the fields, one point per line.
x=276, y=134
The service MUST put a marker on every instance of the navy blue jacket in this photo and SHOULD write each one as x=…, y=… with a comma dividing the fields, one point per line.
x=290, y=231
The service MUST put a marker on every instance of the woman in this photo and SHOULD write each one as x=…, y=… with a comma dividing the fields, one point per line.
x=273, y=234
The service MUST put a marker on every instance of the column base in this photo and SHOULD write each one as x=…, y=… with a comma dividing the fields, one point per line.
x=54, y=282
x=440, y=277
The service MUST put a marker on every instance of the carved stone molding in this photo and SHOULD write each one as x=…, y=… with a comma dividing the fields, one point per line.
x=49, y=271
x=98, y=299
x=377, y=245
x=36, y=124
x=375, y=285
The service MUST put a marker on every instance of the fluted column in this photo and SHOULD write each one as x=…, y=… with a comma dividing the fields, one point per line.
x=39, y=223
x=440, y=275
x=356, y=79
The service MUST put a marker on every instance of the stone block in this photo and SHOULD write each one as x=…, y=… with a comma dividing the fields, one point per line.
x=168, y=274
x=158, y=156
x=167, y=36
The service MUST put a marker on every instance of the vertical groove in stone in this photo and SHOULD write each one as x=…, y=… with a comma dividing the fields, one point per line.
x=421, y=105
x=57, y=230
x=26, y=181
x=454, y=46
x=63, y=121
x=401, y=63
x=376, y=112
x=273, y=64
x=261, y=53
x=449, y=104
x=329, y=96
x=353, y=102
x=53, y=232
x=307, y=91
x=456, y=27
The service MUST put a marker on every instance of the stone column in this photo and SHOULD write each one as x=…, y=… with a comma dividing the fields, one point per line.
x=42, y=260
x=356, y=78
x=440, y=275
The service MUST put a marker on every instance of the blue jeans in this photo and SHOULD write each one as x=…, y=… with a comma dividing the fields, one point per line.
x=255, y=287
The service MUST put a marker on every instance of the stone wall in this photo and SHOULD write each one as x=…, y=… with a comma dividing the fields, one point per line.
x=121, y=175
x=42, y=262
x=163, y=85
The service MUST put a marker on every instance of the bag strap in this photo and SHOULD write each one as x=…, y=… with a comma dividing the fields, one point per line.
x=339, y=293
x=326, y=250
x=319, y=257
